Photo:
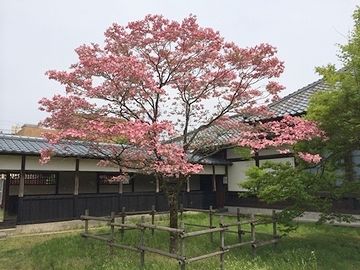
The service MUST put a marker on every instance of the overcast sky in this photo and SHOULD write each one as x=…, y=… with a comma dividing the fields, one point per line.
x=39, y=35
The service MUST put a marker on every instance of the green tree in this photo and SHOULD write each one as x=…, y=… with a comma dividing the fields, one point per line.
x=337, y=112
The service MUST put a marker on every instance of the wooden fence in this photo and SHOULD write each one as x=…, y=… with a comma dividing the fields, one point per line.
x=181, y=233
x=61, y=207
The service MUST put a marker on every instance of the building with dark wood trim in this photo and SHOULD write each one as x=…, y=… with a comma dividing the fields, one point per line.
x=72, y=182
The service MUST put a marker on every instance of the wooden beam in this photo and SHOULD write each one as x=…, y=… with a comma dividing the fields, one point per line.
x=188, y=184
x=197, y=233
x=160, y=228
x=22, y=177
x=87, y=217
x=198, y=258
x=160, y=252
x=157, y=190
x=213, y=178
x=57, y=184
x=121, y=187
x=77, y=178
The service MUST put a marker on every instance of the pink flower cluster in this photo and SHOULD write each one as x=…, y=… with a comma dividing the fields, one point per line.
x=310, y=158
x=154, y=79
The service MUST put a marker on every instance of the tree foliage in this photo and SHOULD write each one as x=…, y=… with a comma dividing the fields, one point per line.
x=296, y=188
x=337, y=113
x=154, y=80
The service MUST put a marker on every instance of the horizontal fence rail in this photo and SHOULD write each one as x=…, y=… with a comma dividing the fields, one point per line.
x=181, y=233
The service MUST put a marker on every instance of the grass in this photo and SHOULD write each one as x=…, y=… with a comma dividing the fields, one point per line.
x=310, y=247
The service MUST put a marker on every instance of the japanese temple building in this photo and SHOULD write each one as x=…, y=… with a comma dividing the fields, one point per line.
x=71, y=182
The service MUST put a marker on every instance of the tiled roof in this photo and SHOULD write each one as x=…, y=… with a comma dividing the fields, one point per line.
x=294, y=104
x=297, y=102
x=11, y=144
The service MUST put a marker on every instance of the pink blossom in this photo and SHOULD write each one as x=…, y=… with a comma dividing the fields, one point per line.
x=155, y=79
x=45, y=156
x=310, y=158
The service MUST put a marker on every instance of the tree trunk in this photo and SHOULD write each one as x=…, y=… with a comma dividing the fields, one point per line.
x=173, y=208
x=172, y=188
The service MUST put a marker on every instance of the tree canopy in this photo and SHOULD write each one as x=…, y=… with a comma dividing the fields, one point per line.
x=156, y=79
x=336, y=111
x=157, y=85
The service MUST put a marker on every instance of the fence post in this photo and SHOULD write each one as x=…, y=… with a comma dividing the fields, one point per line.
x=141, y=244
x=274, y=226
x=86, y=222
x=239, y=225
x=253, y=234
x=222, y=242
x=182, y=249
x=211, y=222
x=122, y=229
x=112, y=215
x=152, y=218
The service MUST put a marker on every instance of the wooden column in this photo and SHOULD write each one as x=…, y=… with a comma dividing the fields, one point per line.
x=213, y=178
x=188, y=199
x=257, y=160
x=157, y=185
x=121, y=187
x=22, y=177
x=57, y=184
x=157, y=190
x=77, y=179
x=76, y=188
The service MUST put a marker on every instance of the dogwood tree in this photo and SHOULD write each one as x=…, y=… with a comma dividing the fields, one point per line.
x=154, y=80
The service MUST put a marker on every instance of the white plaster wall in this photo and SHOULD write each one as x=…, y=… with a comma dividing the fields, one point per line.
x=271, y=151
x=267, y=152
x=55, y=164
x=9, y=162
x=219, y=170
x=232, y=153
x=90, y=165
x=236, y=174
x=278, y=160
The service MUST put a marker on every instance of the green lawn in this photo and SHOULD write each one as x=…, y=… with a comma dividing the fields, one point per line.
x=310, y=247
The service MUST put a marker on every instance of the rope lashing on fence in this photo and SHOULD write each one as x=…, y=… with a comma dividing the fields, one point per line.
x=182, y=234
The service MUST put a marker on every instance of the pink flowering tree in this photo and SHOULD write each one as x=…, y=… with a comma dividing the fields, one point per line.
x=154, y=80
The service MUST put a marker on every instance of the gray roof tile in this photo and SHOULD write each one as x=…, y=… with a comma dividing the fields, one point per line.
x=295, y=103
x=11, y=144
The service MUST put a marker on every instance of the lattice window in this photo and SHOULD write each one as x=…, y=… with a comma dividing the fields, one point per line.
x=106, y=179
x=34, y=178
x=14, y=178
